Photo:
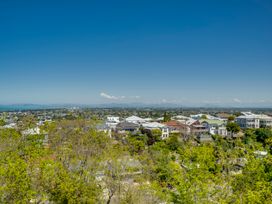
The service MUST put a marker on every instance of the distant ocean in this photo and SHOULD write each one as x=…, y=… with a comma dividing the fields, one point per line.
x=25, y=107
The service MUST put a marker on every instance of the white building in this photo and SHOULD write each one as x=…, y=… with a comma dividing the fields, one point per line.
x=156, y=125
x=220, y=130
x=112, y=121
x=251, y=120
x=10, y=126
x=135, y=119
x=180, y=117
x=248, y=121
x=165, y=133
x=153, y=125
x=148, y=119
x=265, y=121
x=210, y=117
x=32, y=131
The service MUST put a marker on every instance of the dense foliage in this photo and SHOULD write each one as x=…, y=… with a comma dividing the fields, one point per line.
x=71, y=162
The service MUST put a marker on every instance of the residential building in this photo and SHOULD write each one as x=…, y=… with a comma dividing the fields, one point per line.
x=127, y=126
x=156, y=125
x=135, y=119
x=199, y=129
x=177, y=127
x=165, y=133
x=104, y=128
x=219, y=130
x=112, y=121
x=10, y=126
x=215, y=127
x=32, y=131
x=200, y=116
x=250, y=120
x=265, y=121
x=222, y=130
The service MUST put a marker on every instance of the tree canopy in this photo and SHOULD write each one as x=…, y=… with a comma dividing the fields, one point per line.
x=72, y=162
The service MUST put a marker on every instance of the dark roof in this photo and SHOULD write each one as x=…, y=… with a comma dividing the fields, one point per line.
x=127, y=126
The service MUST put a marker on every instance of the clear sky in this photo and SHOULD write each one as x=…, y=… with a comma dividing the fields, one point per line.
x=88, y=52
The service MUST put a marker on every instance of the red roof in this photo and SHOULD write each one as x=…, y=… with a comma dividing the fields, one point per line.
x=175, y=124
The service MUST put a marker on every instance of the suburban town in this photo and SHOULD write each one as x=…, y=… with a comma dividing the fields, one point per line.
x=200, y=125
x=147, y=150
x=136, y=102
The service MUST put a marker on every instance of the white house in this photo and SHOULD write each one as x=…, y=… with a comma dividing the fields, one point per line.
x=148, y=119
x=210, y=117
x=153, y=125
x=10, y=125
x=112, y=121
x=32, y=131
x=165, y=133
x=180, y=117
x=190, y=122
x=220, y=130
x=156, y=125
x=135, y=119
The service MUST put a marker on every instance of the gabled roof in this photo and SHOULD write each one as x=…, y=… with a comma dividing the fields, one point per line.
x=135, y=118
x=148, y=119
x=181, y=117
x=191, y=122
x=262, y=116
x=212, y=122
x=127, y=125
x=175, y=124
x=153, y=125
x=248, y=114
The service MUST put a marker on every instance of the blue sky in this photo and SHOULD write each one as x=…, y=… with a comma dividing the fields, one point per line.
x=88, y=52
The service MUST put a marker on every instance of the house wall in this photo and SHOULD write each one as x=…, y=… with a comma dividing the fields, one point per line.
x=248, y=122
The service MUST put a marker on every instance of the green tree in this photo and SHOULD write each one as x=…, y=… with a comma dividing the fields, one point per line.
x=2, y=122
x=166, y=117
x=237, y=114
x=231, y=118
x=136, y=145
x=253, y=185
x=173, y=142
x=14, y=179
x=26, y=122
x=233, y=127
x=262, y=134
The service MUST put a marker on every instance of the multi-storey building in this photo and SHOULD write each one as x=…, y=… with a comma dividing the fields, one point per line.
x=250, y=120
x=265, y=121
